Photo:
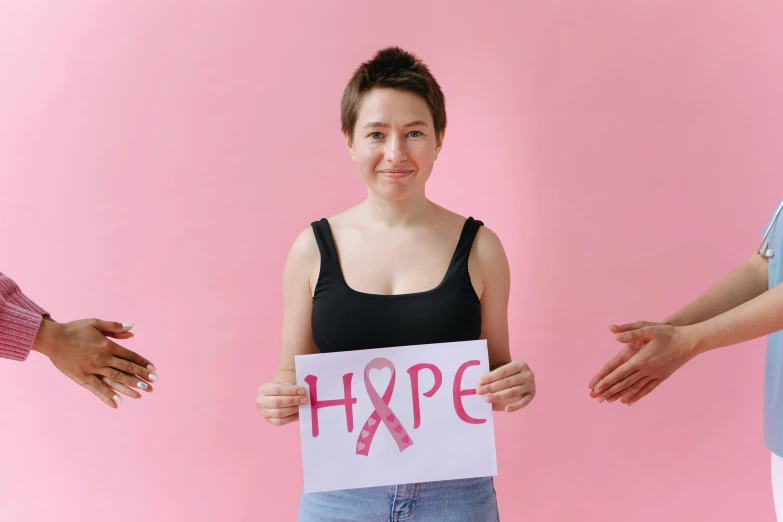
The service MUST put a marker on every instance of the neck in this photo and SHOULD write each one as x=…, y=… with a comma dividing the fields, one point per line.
x=412, y=210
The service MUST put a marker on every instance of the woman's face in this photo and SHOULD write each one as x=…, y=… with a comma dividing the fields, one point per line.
x=394, y=143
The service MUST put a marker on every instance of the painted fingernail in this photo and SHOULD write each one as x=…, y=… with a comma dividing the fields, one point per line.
x=151, y=367
x=153, y=377
x=142, y=385
x=117, y=398
x=127, y=325
x=303, y=400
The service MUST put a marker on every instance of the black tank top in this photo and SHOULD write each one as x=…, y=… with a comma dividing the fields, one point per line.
x=345, y=319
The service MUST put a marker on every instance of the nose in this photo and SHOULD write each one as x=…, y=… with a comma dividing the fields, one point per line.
x=396, y=151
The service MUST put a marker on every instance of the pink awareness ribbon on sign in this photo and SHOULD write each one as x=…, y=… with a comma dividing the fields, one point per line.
x=382, y=411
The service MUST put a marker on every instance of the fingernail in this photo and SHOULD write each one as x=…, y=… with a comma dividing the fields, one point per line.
x=150, y=367
x=489, y=398
x=602, y=399
x=597, y=391
x=153, y=377
x=303, y=400
x=127, y=325
x=300, y=392
x=142, y=385
x=613, y=399
x=480, y=390
x=117, y=398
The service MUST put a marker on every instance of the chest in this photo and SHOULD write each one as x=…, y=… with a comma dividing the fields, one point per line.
x=395, y=263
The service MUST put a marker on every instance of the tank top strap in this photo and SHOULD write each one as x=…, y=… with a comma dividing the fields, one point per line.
x=325, y=241
x=462, y=253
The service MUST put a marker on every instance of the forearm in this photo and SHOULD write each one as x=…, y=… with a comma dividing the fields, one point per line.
x=744, y=283
x=758, y=317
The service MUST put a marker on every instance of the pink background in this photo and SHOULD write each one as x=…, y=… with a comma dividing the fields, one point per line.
x=157, y=160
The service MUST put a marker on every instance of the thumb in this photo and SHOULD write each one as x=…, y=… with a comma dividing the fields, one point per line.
x=641, y=334
x=114, y=327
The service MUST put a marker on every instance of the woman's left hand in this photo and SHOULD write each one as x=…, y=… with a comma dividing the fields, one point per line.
x=510, y=387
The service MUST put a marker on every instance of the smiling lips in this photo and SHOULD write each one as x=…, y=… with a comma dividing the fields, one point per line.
x=396, y=173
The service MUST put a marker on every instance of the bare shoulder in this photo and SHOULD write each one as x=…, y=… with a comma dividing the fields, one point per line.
x=304, y=247
x=489, y=258
x=488, y=245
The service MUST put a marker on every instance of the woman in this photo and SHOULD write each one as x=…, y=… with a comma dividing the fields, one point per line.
x=373, y=276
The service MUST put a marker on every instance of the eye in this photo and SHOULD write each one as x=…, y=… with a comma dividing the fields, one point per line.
x=416, y=134
x=375, y=136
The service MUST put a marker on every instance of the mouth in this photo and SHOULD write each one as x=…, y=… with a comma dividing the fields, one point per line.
x=395, y=173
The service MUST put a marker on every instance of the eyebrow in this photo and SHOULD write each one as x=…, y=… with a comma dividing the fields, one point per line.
x=381, y=125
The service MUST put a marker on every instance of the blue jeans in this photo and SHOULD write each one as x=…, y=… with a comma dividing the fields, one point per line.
x=465, y=500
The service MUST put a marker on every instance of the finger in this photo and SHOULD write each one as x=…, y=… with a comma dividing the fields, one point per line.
x=279, y=413
x=504, y=371
x=123, y=378
x=623, y=371
x=628, y=391
x=130, y=368
x=122, y=388
x=111, y=326
x=280, y=388
x=124, y=335
x=510, y=393
x=642, y=334
x=280, y=401
x=274, y=421
x=615, y=362
x=123, y=353
x=502, y=384
x=650, y=386
x=524, y=401
x=102, y=390
x=620, y=386
x=618, y=328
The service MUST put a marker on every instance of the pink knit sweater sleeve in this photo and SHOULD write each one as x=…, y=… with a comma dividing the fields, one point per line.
x=20, y=319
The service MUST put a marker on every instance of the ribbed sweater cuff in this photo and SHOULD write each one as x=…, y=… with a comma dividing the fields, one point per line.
x=18, y=328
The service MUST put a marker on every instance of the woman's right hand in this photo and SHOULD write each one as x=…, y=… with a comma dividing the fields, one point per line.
x=279, y=402
x=83, y=351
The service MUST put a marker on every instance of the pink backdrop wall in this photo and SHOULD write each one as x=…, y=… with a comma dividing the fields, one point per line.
x=157, y=159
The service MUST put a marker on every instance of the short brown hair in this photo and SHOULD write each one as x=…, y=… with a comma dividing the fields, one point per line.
x=397, y=69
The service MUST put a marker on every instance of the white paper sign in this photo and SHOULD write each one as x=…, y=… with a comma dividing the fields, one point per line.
x=395, y=416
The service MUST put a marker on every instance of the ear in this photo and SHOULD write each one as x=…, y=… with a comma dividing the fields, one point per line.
x=349, y=146
x=439, y=142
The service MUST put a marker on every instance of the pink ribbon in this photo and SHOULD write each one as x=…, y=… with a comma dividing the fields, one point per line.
x=382, y=411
